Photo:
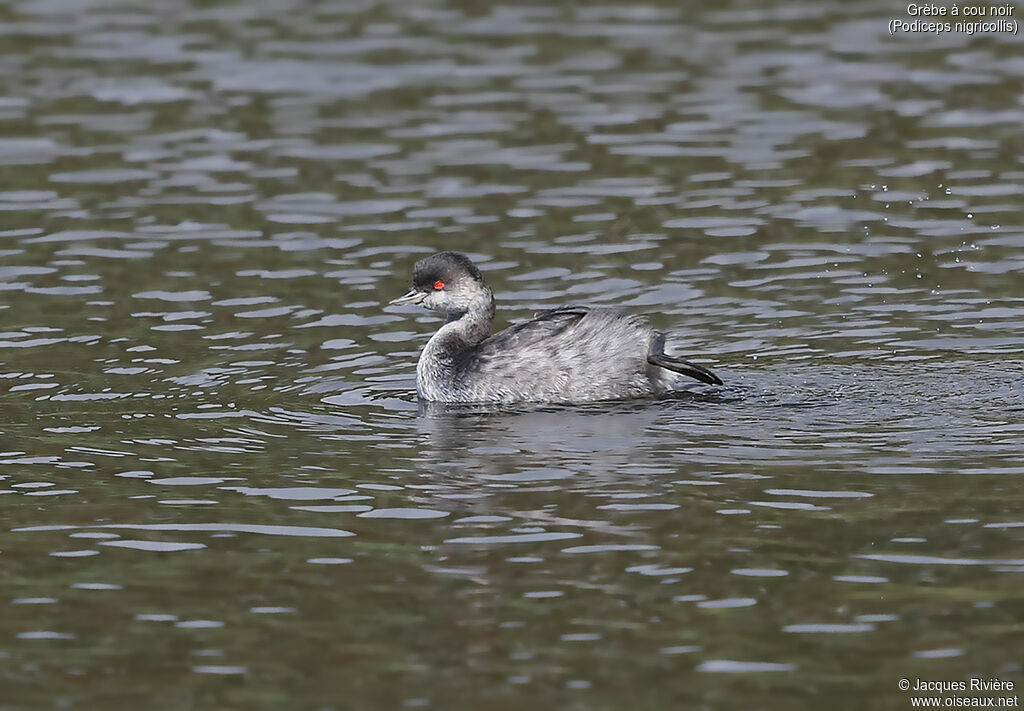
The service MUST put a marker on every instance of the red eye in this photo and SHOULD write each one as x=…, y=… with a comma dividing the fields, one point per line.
x=438, y=284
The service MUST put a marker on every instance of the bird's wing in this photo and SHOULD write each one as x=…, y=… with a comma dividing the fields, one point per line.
x=562, y=314
x=544, y=326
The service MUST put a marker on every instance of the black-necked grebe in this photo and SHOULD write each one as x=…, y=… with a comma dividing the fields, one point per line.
x=565, y=355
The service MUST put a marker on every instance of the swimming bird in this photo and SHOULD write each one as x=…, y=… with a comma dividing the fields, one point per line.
x=570, y=354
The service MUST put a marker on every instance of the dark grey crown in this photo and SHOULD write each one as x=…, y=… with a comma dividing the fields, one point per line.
x=449, y=267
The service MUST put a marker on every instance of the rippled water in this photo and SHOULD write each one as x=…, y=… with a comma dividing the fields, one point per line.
x=219, y=489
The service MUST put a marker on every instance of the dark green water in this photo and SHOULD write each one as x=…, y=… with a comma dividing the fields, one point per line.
x=219, y=491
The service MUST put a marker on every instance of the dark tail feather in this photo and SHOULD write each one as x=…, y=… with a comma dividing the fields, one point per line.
x=684, y=367
x=657, y=357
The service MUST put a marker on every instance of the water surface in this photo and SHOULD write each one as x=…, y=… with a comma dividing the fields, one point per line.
x=220, y=492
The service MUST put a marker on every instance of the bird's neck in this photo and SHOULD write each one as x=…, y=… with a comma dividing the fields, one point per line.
x=439, y=362
x=463, y=329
